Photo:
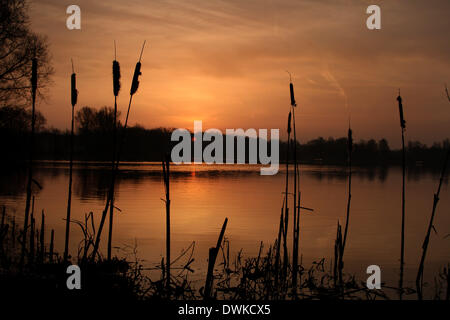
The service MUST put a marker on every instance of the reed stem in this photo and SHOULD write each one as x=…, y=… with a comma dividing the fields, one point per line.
x=278, y=248
x=166, y=175
x=286, y=202
x=211, y=262
x=133, y=90
x=111, y=207
x=296, y=207
x=32, y=225
x=402, y=242
x=50, y=250
x=69, y=198
x=42, y=239
x=419, y=278
x=343, y=243
x=74, y=99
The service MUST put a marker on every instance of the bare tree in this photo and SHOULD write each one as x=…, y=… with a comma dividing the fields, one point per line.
x=95, y=121
x=18, y=45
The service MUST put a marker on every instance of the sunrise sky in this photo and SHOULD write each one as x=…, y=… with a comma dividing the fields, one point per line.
x=224, y=62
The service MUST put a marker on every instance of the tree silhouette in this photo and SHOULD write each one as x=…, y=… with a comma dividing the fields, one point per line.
x=18, y=45
x=89, y=120
x=16, y=119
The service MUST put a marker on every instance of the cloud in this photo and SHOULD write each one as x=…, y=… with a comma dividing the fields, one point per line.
x=225, y=60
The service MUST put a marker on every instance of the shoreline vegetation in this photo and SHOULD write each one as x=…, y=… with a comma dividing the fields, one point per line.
x=126, y=279
x=147, y=145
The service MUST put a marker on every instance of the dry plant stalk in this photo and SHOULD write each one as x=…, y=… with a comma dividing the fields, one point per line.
x=349, y=166
x=297, y=197
x=133, y=90
x=116, y=90
x=74, y=98
x=426, y=242
x=286, y=197
x=166, y=176
x=402, y=243
x=213, y=252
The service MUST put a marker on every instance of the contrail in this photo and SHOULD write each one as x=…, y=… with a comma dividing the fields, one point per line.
x=329, y=77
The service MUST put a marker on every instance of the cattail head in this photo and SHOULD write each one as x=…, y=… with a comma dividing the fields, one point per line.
x=291, y=87
x=350, y=140
x=289, y=123
x=74, y=91
x=116, y=77
x=137, y=73
x=400, y=109
x=34, y=76
x=135, y=83
x=73, y=87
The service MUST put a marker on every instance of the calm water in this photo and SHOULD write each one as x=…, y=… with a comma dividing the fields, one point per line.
x=202, y=196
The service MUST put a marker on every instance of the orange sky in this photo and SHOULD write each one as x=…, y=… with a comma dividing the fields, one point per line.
x=224, y=62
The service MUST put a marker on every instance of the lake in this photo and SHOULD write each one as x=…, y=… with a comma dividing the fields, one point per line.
x=203, y=195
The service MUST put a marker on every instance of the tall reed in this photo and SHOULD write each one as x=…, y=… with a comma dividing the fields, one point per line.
x=42, y=239
x=338, y=263
x=286, y=198
x=213, y=252
x=426, y=242
x=50, y=250
x=402, y=243
x=32, y=226
x=116, y=90
x=297, y=196
x=349, y=198
x=278, y=247
x=34, y=84
x=133, y=90
x=73, y=100
x=166, y=176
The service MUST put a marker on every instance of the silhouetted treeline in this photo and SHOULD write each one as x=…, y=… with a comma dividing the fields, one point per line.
x=368, y=152
x=94, y=131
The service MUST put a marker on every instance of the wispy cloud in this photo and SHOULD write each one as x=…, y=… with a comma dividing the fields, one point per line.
x=224, y=60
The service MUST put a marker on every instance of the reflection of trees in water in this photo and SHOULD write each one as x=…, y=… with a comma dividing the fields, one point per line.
x=340, y=173
x=417, y=173
x=13, y=182
x=92, y=182
x=381, y=173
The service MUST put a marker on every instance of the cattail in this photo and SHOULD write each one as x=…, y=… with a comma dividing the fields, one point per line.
x=166, y=175
x=73, y=87
x=74, y=92
x=116, y=77
x=402, y=243
x=291, y=87
x=400, y=109
x=137, y=73
x=34, y=77
x=50, y=253
x=135, y=83
x=116, y=89
x=74, y=97
x=289, y=123
x=110, y=201
x=350, y=141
